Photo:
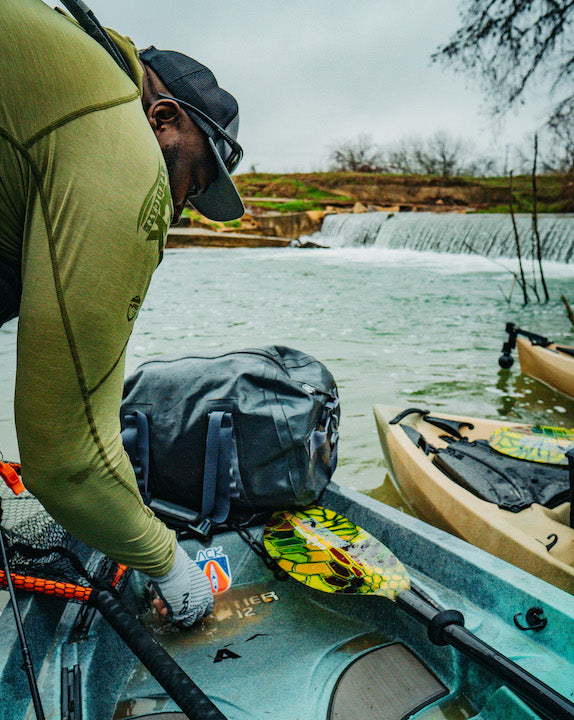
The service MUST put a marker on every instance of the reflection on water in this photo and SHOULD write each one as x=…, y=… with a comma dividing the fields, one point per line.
x=390, y=494
x=521, y=393
x=395, y=327
x=457, y=708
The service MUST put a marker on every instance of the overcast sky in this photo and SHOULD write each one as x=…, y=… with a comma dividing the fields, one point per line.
x=307, y=73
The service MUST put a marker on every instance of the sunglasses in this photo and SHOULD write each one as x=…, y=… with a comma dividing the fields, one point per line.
x=229, y=150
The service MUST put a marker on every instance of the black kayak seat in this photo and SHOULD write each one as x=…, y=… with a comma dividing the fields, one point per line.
x=510, y=483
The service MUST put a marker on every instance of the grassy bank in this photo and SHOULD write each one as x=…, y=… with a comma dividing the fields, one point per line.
x=297, y=192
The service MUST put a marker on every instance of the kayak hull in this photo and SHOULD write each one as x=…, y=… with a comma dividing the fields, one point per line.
x=537, y=539
x=274, y=648
x=548, y=365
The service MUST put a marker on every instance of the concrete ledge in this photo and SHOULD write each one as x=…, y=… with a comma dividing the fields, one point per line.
x=197, y=237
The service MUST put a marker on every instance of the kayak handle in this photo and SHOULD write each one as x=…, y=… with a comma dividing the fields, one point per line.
x=409, y=411
x=450, y=426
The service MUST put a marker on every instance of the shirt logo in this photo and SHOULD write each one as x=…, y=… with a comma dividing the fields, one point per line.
x=156, y=212
x=133, y=307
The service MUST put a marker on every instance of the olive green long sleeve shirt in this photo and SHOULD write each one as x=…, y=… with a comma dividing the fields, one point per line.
x=84, y=211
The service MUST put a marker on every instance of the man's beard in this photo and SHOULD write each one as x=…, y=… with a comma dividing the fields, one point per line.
x=171, y=157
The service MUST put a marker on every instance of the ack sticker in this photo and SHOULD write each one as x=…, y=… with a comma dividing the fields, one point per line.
x=215, y=564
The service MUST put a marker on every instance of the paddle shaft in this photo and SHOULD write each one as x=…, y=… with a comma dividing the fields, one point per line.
x=179, y=686
x=324, y=550
x=542, y=697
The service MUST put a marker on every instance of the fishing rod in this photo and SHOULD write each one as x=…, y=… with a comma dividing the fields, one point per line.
x=28, y=665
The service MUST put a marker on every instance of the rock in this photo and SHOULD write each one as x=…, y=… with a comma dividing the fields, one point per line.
x=307, y=244
x=291, y=224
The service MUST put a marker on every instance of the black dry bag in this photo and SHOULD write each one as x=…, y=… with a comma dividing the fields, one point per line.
x=221, y=438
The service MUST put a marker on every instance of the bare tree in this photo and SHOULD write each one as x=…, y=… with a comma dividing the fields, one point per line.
x=509, y=42
x=442, y=154
x=561, y=131
x=359, y=155
x=399, y=156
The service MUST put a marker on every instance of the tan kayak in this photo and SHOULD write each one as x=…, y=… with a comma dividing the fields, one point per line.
x=541, y=359
x=537, y=538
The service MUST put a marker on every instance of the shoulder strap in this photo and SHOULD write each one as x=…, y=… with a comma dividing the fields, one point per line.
x=220, y=467
x=135, y=437
x=90, y=24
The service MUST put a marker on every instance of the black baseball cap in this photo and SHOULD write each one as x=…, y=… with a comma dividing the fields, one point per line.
x=216, y=112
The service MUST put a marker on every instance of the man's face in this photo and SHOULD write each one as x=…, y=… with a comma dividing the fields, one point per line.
x=190, y=164
x=188, y=155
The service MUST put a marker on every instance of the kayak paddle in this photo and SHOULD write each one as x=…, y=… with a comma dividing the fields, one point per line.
x=537, y=443
x=329, y=553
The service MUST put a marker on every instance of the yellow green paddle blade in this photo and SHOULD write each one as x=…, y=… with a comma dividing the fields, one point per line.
x=537, y=443
x=327, y=552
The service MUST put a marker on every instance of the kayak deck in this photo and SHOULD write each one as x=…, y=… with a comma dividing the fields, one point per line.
x=273, y=648
x=538, y=539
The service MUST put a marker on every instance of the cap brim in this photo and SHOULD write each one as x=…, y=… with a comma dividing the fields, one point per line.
x=221, y=201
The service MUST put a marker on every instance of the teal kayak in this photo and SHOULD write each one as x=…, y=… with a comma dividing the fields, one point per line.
x=274, y=648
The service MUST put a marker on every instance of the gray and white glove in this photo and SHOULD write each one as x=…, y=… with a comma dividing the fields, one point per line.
x=185, y=590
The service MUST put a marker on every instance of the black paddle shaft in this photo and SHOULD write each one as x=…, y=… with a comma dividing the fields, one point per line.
x=447, y=627
x=179, y=686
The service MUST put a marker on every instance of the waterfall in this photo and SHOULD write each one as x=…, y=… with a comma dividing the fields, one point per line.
x=489, y=235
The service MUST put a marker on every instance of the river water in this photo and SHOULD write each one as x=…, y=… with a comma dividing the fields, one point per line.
x=394, y=326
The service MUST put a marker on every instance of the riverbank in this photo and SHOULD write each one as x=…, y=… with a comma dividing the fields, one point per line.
x=280, y=208
x=336, y=190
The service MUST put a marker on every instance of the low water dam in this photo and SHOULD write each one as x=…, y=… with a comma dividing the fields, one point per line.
x=489, y=235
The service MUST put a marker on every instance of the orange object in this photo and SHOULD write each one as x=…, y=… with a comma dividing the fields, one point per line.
x=57, y=588
x=11, y=477
x=61, y=589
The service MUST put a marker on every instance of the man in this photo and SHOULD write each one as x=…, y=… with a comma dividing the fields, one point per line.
x=94, y=165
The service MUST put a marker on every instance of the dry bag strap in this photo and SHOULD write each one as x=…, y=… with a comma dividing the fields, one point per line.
x=220, y=467
x=135, y=437
x=326, y=440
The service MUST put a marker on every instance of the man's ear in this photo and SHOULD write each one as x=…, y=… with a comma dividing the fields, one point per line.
x=164, y=112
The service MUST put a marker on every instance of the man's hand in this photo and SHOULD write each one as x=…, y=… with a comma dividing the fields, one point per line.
x=183, y=595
